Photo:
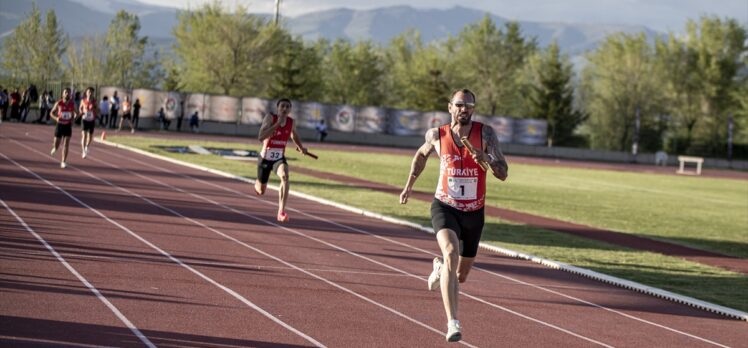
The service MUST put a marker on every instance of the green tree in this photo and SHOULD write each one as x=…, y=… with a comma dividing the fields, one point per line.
x=226, y=52
x=619, y=82
x=297, y=72
x=354, y=74
x=719, y=46
x=125, y=49
x=676, y=68
x=551, y=94
x=416, y=75
x=31, y=54
x=87, y=62
x=490, y=59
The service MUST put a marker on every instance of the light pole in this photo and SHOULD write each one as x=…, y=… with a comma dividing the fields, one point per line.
x=277, y=10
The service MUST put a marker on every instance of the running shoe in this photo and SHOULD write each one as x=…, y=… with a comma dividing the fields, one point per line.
x=84, y=153
x=282, y=216
x=435, y=275
x=53, y=151
x=63, y=165
x=454, y=329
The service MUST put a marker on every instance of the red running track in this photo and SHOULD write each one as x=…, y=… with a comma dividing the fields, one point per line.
x=121, y=249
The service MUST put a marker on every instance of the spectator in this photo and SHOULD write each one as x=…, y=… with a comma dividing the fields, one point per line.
x=15, y=104
x=104, y=109
x=136, y=112
x=321, y=130
x=25, y=105
x=113, y=110
x=44, y=107
x=4, y=105
x=195, y=123
x=77, y=102
x=162, y=119
x=181, y=115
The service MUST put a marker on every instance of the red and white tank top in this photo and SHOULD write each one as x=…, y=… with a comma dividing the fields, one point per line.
x=65, y=111
x=274, y=147
x=462, y=182
x=89, y=111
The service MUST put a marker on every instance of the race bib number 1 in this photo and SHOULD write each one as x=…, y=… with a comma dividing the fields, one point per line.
x=462, y=188
x=272, y=154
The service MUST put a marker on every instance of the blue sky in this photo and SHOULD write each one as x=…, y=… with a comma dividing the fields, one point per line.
x=663, y=15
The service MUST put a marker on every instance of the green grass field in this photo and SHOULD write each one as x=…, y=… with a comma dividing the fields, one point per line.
x=710, y=214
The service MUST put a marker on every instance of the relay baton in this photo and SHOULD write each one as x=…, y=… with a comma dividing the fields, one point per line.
x=470, y=148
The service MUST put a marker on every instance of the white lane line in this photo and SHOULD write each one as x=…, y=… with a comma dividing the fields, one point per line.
x=416, y=248
x=288, y=264
x=82, y=279
x=163, y=252
x=346, y=251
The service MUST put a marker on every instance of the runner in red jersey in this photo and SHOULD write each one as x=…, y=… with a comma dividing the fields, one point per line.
x=63, y=112
x=89, y=111
x=274, y=134
x=457, y=210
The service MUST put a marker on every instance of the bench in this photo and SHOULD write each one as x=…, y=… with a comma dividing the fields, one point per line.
x=690, y=159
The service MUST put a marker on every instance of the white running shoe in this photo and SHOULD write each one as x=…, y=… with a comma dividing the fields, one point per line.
x=53, y=151
x=454, y=329
x=63, y=165
x=84, y=153
x=435, y=275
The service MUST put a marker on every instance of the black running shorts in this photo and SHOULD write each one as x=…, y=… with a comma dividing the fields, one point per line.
x=88, y=126
x=468, y=225
x=63, y=130
x=265, y=167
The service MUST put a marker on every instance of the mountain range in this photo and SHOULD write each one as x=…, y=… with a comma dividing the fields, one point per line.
x=86, y=17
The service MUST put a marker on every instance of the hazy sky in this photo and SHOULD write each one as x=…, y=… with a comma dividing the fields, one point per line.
x=663, y=15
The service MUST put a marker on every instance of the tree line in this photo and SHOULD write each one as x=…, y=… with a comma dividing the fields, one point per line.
x=677, y=92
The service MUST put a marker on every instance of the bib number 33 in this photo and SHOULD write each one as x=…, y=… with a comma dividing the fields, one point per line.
x=462, y=188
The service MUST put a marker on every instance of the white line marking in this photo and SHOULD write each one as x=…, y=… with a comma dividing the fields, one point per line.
x=163, y=252
x=82, y=279
x=392, y=310
x=341, y=249
x=549, y=263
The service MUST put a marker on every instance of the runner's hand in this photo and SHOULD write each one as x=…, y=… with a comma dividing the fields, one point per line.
x=404, y=196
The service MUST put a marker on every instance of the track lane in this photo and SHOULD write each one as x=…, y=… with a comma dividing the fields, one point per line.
x=377, y=253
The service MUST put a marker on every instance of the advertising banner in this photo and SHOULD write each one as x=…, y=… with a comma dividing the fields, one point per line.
x=253, y=110
x=405, y=122
x=370, y=119
x=503, y=126
x=344, y=118
x=172, y=104
x=223, y=109
x=148, y=101
x=530, y=131
x=435, y=119
x=310, y=114
x=196, y=102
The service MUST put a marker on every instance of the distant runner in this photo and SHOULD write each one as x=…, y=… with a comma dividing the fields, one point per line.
x=63, y=112
x=89, y=111
x=274, y=134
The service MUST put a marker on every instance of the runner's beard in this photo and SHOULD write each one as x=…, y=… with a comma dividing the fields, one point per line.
x=463, y=120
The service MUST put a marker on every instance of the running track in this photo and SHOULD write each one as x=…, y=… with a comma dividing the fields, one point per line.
x=125, y=250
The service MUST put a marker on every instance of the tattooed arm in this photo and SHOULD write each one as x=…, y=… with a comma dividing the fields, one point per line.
x=494, y=156
x=419, y=162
